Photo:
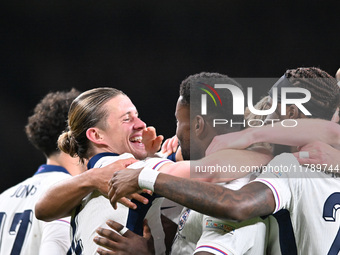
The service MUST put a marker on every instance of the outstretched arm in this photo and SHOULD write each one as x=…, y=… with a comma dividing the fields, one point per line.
x=254, y=199
x=62, y=197
x=325, y=131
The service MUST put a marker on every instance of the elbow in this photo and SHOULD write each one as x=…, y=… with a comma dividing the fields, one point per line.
x=233, y=211
x=239, y=208
x=241, y=214
x=40, y=212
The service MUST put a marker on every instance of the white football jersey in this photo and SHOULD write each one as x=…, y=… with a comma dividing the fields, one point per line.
x=20, y=231
x=312, y=198
x=197, y=232
x=96, y=209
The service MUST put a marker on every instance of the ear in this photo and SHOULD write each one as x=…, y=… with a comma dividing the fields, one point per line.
x=199, y=125
x=95, y=136
x=293, y=112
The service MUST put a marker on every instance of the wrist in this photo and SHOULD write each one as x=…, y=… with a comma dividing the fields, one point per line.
x=253, y=135
x=147, y=178
x=90, y=180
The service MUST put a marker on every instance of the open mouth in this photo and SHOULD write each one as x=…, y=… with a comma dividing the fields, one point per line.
x=136, y=139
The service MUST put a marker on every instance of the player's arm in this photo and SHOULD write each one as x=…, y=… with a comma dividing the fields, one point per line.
x=236, y=163
x=254, y=199
x=62, y=197
x=325, y=131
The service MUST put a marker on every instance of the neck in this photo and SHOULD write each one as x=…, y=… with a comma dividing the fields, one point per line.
x=72, y=165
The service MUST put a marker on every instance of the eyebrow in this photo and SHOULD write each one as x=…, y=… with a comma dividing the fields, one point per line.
x=128, y=113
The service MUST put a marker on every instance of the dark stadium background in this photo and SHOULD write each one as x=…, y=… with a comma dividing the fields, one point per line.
x=146, y=48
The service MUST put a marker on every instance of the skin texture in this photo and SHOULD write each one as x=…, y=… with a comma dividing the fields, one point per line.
x=122, y=245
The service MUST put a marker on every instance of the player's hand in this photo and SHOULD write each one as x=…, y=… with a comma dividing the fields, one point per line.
x=170, y=145
x=122, y=184
x=129, y=243
x=319, y=153
x=126, y=201
x=151, y=141
x=101, y=176
x=234, y=140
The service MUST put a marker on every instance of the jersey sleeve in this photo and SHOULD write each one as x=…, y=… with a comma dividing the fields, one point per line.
x=55, y=238
x=154, y=163
x=280, y=176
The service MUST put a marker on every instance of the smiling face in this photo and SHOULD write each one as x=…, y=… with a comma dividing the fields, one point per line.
x=122, y=130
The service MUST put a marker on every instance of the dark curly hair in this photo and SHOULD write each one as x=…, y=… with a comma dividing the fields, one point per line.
x=49, y=120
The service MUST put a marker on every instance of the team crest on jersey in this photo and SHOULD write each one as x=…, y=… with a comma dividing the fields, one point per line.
x=219, y=225
x=183, y=219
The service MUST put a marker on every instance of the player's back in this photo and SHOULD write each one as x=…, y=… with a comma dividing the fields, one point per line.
x=20, y=231
x=314, y=216
x=311, y=197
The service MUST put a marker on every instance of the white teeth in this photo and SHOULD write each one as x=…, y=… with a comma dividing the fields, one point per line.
x=136, y=139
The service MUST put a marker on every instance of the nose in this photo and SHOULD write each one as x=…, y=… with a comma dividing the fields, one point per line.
x=139, y=124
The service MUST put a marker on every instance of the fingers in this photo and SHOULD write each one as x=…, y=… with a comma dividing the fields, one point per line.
x=146, y=230
x=104, y=252
x=110, y=239
x=147, y=191
x=119, y=227
x=158, y=142
x=170, y=145
x=140, y=198
x=128, y=161
x=114, y=225
x=107, y=238
x=149, y=133
x=165, y=146
x=304, y=161
x=114, y=201
x=128, y=203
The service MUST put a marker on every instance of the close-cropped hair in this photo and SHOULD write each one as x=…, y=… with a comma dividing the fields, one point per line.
x=195, y=85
